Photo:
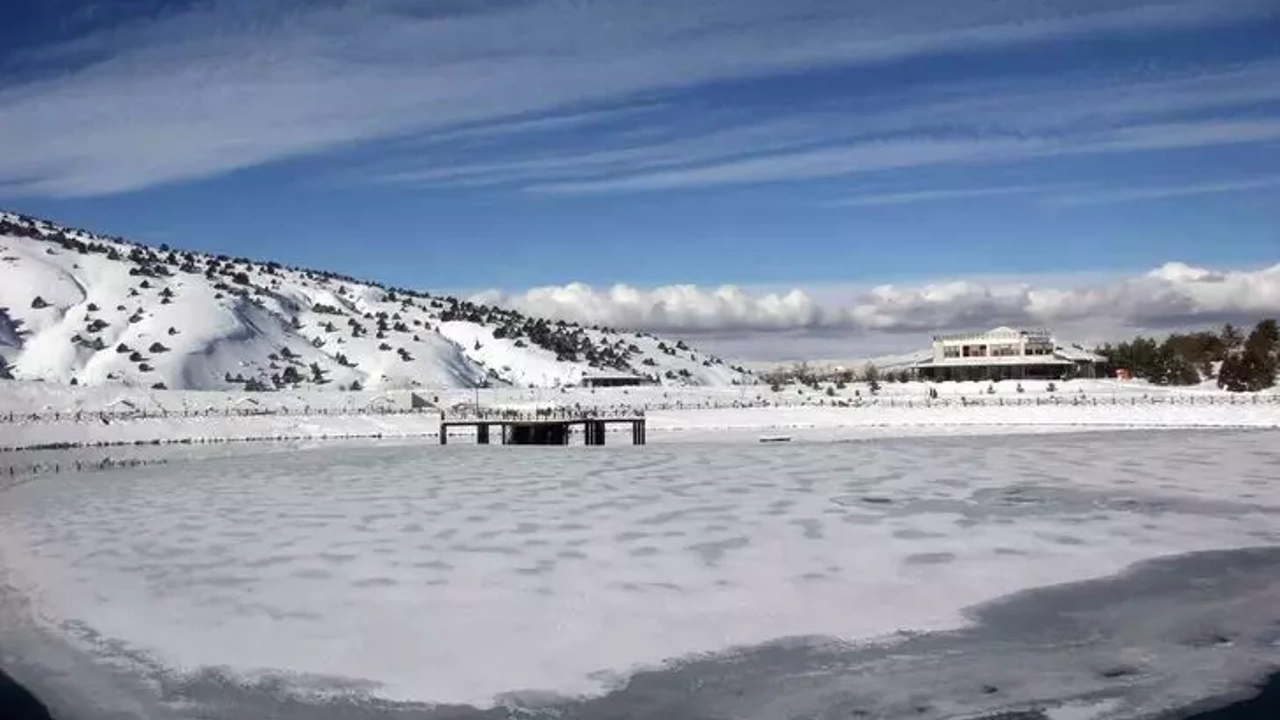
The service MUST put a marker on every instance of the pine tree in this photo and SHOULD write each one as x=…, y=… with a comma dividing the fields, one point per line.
x=1232, y=338
x=1260, y=354
x=1254, y=367
x=872, y=376
x=1179, y=371
x=1232, y=375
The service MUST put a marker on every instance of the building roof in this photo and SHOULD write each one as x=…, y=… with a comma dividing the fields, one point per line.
x=1003, y=361
x=1000, y=333
x=1076, y=353
x=618, y=375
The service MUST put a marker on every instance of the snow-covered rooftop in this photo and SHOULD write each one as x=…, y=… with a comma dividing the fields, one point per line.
x=1000, y=333
x=1076, y=353
x=999, y=360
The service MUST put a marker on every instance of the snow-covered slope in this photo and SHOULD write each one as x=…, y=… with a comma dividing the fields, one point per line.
x=79, y=308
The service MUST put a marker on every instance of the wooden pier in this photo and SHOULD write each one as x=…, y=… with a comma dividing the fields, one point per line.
x=546, y=428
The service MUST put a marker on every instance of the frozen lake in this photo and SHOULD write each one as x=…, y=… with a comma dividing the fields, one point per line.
x=716, y=580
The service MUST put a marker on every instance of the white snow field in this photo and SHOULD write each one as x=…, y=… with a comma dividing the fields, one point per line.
x=75, y=306
x=467, y=574
x=46, y=414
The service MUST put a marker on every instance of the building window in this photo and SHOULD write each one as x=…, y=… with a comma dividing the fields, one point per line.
x=951, y=352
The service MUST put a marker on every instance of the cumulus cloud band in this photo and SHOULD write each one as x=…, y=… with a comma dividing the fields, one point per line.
x=1173, y=294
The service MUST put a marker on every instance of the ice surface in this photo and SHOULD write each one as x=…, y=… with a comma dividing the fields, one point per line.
x=461, y=574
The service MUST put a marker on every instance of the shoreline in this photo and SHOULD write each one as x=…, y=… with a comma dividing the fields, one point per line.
x=1263, y=703
x=19, y=703
x=661, y=425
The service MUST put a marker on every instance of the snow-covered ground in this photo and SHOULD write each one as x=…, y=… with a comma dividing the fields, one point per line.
x=99, y=311
x=45, y=398
x=43, y=414
x=465, y=574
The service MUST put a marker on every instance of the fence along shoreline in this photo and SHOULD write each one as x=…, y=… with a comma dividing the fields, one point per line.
x=639, y=409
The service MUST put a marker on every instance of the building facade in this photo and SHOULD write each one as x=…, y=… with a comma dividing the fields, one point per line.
x=608, y=380
x=1006, y=354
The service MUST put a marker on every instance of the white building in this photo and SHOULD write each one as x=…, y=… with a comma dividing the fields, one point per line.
x=1006, y=353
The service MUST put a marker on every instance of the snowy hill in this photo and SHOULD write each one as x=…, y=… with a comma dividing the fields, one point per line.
x=90, y=310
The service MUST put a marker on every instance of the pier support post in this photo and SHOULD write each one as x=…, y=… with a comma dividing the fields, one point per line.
x=444, y=434
x=482, y=434
x=594, y=430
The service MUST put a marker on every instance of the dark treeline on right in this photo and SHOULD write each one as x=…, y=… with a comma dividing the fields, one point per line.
x=1240, y=363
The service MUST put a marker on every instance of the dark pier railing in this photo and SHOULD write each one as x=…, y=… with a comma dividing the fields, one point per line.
x=549, y=426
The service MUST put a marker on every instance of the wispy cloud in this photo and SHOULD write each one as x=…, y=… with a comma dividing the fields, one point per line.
x=924, y=151
x=228, y=85
x=874, y=199
x=1162, y=192
x=1060, y=194
x=810, y=164
x=1186, y=135
x=1118, y=114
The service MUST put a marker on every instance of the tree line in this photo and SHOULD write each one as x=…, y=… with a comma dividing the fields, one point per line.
x=1240, y=363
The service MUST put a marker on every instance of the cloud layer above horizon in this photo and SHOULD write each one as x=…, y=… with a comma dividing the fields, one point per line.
x=900, y=318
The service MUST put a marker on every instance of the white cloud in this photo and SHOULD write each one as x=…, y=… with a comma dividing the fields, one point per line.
x=922, y=151
x=1162, y=192
x=966, y=122
x=874, y=199
x=231, y=84
x=810, y=164
x=1062, y=194
x=1173, y=295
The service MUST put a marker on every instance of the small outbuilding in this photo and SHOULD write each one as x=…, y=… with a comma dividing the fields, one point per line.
x=619, y=379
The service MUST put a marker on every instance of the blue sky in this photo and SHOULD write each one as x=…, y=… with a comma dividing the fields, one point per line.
x=826, y=145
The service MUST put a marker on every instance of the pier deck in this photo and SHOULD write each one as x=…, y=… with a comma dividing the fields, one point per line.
x=542, y=428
